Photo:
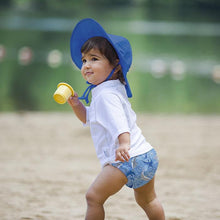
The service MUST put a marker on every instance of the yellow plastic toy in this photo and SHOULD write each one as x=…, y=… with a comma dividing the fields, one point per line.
x=63, y=92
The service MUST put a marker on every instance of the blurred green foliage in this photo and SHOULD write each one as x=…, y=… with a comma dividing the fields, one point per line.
x=73, y=4
x=31, y=87
x=191, y=95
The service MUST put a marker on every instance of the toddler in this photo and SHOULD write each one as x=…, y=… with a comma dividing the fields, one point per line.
x=126, y=157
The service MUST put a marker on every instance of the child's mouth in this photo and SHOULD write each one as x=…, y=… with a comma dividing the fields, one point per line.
x=88, y=73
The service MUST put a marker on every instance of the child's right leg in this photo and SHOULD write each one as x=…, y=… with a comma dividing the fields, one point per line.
x=107, y=183
x=147, y=199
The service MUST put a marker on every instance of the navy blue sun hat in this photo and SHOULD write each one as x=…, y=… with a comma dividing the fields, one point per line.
x=88, y=28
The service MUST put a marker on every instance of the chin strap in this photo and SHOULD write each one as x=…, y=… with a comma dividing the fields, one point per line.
x=85, y=95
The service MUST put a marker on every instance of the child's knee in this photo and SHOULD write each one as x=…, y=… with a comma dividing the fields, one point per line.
x=145, y=201
x=145, y=197
x=92, y=197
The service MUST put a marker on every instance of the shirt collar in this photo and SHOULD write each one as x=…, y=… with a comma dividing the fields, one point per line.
x=106, y=85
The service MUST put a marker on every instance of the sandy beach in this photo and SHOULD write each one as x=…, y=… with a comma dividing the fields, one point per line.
x=47, y=163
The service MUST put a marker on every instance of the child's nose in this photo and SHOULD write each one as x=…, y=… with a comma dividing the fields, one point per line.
x=87, y=64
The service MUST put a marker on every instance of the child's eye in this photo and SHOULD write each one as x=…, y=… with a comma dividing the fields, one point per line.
x=94, y=59
x=83, y=60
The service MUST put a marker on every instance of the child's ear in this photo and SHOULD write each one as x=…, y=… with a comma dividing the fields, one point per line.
x=118, y=68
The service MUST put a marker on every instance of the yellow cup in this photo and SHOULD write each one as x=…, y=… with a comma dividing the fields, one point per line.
x=63, y=92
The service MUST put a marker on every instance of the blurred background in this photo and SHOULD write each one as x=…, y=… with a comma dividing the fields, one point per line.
x=176, y=52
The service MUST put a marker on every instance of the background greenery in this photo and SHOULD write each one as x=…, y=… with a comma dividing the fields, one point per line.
x=165, y=32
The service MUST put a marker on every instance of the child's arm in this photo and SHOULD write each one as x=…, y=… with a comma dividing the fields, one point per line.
x=78, y=108
x=122, y=153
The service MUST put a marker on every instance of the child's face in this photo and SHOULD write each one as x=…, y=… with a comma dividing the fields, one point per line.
x=96, y=67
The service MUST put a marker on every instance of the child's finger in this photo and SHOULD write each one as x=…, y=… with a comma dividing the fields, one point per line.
x=73, y=100
x=122, y=156
x=126, y=156
x=119, y=157
x=70, y=99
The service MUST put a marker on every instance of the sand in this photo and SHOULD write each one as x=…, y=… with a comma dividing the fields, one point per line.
x=47, y=162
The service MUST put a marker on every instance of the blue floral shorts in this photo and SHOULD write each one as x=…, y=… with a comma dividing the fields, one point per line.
x=139, y=170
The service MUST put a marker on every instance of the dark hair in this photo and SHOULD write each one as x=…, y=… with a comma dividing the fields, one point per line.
x=106, y=49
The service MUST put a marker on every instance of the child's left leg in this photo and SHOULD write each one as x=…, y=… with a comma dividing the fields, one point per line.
x=147, y=199
x=107, y=183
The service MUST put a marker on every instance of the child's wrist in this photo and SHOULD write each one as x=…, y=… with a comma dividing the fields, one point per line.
x=124, y=146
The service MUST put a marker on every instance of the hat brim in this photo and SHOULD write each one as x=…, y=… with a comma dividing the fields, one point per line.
x=88, y=28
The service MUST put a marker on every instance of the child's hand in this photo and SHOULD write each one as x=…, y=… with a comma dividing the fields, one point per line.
x=122, y=153
x=73, y=100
